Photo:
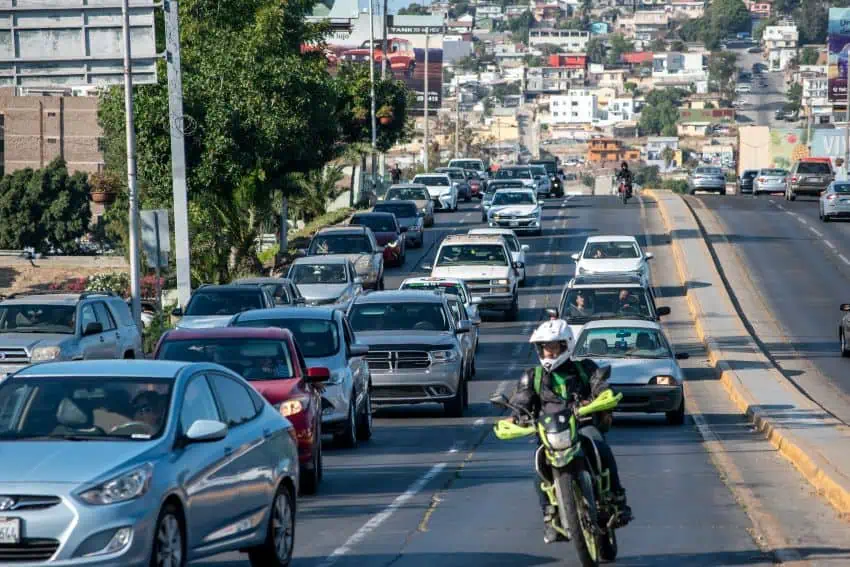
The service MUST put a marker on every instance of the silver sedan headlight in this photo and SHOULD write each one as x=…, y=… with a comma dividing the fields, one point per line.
x=560, y=441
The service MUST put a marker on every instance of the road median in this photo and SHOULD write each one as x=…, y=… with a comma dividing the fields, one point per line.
x=810, y=437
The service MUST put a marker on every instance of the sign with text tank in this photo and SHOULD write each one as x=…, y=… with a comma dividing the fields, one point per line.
x=72, y=43
x=838, y=45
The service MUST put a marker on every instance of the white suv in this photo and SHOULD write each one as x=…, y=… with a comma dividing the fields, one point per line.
x=484, y=262
x=442, y=189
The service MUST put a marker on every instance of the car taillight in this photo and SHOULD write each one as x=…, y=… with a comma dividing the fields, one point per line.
x=762, y=179
x=793, y=179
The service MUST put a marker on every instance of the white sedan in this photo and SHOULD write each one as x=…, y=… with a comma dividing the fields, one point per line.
x=442, y=189
x=516, y=249
x=607, y=254
x=516, y=209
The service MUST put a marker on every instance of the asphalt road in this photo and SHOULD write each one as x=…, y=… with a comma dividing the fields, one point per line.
x=430, y=490
x=761, y=103
x=800, y=267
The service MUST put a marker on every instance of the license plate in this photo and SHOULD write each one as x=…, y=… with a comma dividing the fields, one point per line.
x=10, y=530
x=514, y=223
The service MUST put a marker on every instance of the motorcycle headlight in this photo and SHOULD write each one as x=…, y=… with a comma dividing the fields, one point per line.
x=560, y=441
x=663, y=380
x=43, y=354
x=128, y=486
x=450, y=355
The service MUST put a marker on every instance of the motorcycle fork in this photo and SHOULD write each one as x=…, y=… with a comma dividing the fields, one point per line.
x=549, y=490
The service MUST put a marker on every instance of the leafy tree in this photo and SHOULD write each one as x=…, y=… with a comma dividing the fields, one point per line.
x=785, y=6
x=630, y=87
x=677, y=46
x=414, y=9
x=618, y=45
x=658, y=45
x=595, y=50
x=794, y=97
x=809, y=56
x=317, y=188
x=572, y=24
x=44, y=209
x=811, y=18
x=647, y=176
x=534, y=61
x=722, y=72
x=690, y=31
x=502, y=90
x=520, y=25
x=758, y=30
x=661, y=112
x=722, y=17
x=549, y=49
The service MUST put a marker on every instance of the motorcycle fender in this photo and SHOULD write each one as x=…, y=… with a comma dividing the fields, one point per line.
x=560, y=459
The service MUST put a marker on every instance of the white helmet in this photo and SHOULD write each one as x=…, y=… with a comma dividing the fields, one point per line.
x=554, y=330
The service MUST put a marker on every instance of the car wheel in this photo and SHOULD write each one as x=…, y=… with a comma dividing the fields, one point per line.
x=347, y=437
x=380, y=286
x=483, y=218
x=454, y=407
x=310, y=479
x=466, y=390
x=825, y=217
x=364, y=419
x=792, y=196
x=276, y=550
x=169, y=543
x=677, y=416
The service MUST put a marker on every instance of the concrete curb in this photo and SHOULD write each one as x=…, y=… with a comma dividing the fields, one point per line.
x=829, y=481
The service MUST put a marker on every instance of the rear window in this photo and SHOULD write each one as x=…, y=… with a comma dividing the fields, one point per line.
x=843, y=188
x=709, y=171
x=221, y=302
x=454, y=174
x=253, y=359
x=773, y=172
x=509, y=173
x=749, y=174
x=400, y=210
x=467, y=164
x=549, y=165
x=407, y=194
x=433, y=181
x=378, y=223
x=813, y=167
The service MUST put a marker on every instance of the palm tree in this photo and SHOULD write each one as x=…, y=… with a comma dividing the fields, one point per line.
x=315, y=190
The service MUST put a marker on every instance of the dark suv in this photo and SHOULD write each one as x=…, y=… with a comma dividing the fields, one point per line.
x=809, y=176
x=215, y=305
x=551, y=166
x=745, y=181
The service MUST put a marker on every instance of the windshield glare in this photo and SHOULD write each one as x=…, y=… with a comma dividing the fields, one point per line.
x=513, y=198
x=84, y=408
x=398, y=317
x=32, y=318
x=315, y=338
x=583, y=305
x=444, y=287
x=841, y=188
x=772, y=172
x=318, y=274
x=622, y=342
x=480, y=254
x=615, y=250
x=210, y=303
x=340, y=244
x=253, y=359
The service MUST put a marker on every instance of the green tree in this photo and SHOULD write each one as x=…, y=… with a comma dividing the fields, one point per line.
x=661, y=111
x=618, y=45
x=722, y=72
x=44, y=209
x=414, y=9
x=677, y=46
x=533, y=61
x=596, y=50
x=811, y=18
x=658, y=45
x=572, y=24
x=758, y=30
x=809, y=56
x=317, y=188
x=549, y=49
x=519, y=26
x=724, y=17
x=502, y=90
x=631, y=87
x=785, y=6
x=794, y=97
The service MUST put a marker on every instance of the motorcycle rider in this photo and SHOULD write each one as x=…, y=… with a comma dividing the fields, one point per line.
x=625, y=175
x=547, y=387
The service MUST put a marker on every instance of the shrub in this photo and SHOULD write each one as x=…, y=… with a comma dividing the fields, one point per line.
x=158, y=327
x=116, y=282
x=675, y=185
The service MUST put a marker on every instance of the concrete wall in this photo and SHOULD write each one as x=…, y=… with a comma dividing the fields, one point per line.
x=753, y=147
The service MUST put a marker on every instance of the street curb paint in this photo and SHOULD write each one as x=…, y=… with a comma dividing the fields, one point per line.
x=829, y=481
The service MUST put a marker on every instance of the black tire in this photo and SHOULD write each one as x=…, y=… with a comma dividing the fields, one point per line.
x=380, y=286
x=466, y=387
x=364, y=419
x=845, y=351
x=512, y=314
x=483, y=218
x=608, y=546
x=568, y=509
x=467, y=198
x=274, y=552
x=311, y=478
x=677, y=416
x=169, y=538
x=825, y=217
x=347, y=438
x=454, y=407
x=792, y=197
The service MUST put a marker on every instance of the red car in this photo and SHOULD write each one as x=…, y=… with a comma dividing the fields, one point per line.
x=387, y=232
x=475, y=188
x=402, y=59
x=270, y=360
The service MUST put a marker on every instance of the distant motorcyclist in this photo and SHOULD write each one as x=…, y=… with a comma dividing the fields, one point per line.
x=547, y=388
x=625, y=175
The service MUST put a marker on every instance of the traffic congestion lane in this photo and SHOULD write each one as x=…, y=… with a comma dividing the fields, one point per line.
x=800, y=276
x=428, y=488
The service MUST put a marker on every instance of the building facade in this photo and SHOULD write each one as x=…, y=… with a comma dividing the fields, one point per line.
x=572, y=41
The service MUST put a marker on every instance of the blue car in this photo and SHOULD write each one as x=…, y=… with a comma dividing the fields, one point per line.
x=138, y=463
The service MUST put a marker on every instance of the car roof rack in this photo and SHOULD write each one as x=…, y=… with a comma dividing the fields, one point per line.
x=81, y=295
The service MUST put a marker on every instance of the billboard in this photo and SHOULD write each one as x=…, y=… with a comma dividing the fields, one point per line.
x=406, y=41
x=838, y=45
x=68, y=43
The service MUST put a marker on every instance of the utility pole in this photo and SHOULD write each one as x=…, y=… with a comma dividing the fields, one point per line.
x=847, y=129
x=135, y=276
x=383, y=159
x=178, y=153
x=425, y=155
x=372, y=84
x=457, y=124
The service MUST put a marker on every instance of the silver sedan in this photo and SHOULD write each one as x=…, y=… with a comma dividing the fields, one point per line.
x=138, y=463
x=835, y=201
x=707, y=179
x=770, y=181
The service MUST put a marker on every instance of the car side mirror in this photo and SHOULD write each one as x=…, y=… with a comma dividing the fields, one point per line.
x=206, y=431
x=475, y=301
x=649, y=255
x=317, y=375
x=662, y=311
x=682, y=356
x=575, y=257
x=177, y=312
x=845, y=307
x=552, y=313
x=519, y=265
x=464, y=326
x=525, y=247
x=356, y=349
x=93, y=328
x=358, y=281
x=403, y=229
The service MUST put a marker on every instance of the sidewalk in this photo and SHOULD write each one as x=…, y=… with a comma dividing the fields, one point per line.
x=815, y=442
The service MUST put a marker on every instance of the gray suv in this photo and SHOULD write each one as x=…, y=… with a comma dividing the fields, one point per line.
x=416, y=353
x=58, y=326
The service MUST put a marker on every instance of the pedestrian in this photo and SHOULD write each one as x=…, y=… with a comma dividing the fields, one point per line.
x=395, y=173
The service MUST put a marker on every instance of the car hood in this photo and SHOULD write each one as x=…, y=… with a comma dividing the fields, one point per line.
x=312, y=292
x=513, y=209
x=66, y=461
x=437, y=190
x=204, y=322
x=436, y=338
x=31, y=340
x=276, y=391
x=636, y=371
x=470, y=272
x=612, y=265
x=359, y=259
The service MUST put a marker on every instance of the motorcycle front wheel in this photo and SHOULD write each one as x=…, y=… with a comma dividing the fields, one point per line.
x=577, y=509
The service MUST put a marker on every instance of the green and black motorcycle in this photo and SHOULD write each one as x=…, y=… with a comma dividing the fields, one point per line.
x=578, y=486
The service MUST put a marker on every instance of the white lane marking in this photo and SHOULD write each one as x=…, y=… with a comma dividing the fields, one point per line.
x=844, y=259
x=793, y=214
x=462, y=220
x=816, y=231
x=771, y=201
x=479, y=421
x=532, y=303
x=780, y=207
x=830, y=244
x=378, y=519
x=803, y=221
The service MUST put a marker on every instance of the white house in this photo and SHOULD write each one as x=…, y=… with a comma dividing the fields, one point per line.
x=572, y=108
x=677, y=64
x=654, y=151
x=569, y=41
x=780, y=45
x=488, y=11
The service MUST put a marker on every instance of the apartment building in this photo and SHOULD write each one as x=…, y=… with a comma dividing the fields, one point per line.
x=571, y=41
x=553, y=80
x=686, y=9
x=780, y=45
x=655, y=149
x=573, y=108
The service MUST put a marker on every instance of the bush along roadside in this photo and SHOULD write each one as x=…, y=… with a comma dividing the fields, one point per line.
x=160, y=324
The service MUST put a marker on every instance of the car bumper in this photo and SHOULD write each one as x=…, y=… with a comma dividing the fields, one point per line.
x=836, y=209
x=392, y=254
x=304, y=435
x=517, y=225
x=438, y=383
x=769, y=188
x=74, y=530
x=745, y=188
x=808, y=189
x=648, y=399
x=708, y=186
x=495, y=301
x=414, y=235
